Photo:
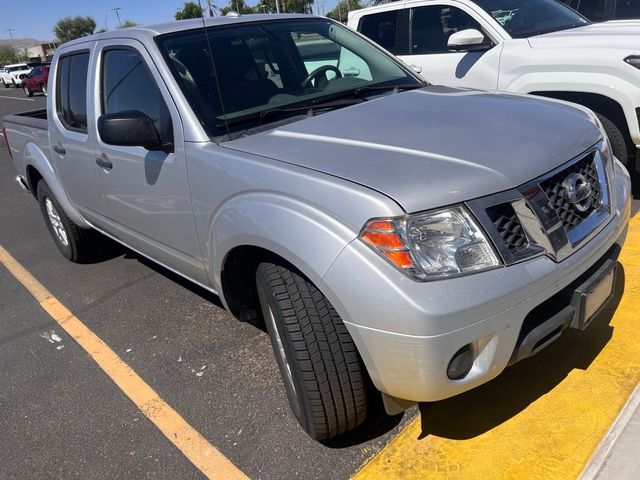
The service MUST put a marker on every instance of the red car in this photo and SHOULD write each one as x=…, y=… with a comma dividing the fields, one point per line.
x=36, y=81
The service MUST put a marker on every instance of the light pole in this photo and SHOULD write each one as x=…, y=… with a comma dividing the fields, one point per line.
x=117, y=10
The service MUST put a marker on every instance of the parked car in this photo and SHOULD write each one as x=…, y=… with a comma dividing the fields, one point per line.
x=605, y=10
x=418, y=237
x=13, y=74
x=538, y=47
x=36, y=81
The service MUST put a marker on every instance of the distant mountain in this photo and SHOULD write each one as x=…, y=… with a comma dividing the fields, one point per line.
x=22, y=42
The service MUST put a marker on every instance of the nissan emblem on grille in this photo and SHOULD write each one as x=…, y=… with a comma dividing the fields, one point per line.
x=578, y=191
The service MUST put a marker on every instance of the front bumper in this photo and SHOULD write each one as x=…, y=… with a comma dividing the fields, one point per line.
x=407, y=332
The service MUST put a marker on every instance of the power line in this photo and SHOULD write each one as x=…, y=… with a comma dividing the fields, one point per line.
x=117, y=10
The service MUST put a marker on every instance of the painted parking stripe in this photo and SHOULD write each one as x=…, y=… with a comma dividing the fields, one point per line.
x=541, y=419
x=194, y=446
x=18, y=98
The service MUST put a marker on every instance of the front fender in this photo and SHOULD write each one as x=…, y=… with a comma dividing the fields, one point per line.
x=623, y=91
x=35, y=157
x=304, y=235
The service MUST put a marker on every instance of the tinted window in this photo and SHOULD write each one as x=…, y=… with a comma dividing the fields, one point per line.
x=432, y=26
x=128, y=85
x=592, y=9
x=627, y=9
x=35, y=72
x=381, y=28
x=71, y=97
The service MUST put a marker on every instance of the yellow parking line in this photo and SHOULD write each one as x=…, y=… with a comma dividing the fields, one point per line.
x=193, y=445
x=541, y=419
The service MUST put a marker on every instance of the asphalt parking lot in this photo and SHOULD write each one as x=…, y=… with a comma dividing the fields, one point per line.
x=61, y=416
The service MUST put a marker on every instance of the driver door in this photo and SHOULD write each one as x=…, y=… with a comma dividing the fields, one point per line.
x=429, y=30
x=146, y=192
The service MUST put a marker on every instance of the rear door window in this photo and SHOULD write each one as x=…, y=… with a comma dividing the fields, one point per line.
x=382, y=29
x=71, y=97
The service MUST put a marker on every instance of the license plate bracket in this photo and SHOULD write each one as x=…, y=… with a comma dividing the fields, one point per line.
x=590, y=298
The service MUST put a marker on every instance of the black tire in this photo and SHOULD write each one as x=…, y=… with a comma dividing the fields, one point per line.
x=81, y=244
x=327, y=385
x=27, y=92
x=6, y=85
x=616, y=139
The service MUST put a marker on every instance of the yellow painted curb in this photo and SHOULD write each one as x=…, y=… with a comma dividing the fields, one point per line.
x=540, y=419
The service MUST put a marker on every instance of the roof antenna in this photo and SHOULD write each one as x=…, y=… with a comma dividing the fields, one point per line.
x=213, y=68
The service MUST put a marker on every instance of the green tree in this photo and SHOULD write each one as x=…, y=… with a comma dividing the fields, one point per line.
x=128, y=24
x=239, y=6
x=7, y=55
x=341, y=11
x=189, y=10
x=70, y=28
x=286, y=6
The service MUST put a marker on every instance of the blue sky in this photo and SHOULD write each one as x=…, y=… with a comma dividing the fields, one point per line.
x=37, y=19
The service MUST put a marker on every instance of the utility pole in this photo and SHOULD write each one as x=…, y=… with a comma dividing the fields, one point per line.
x=117, y=10
x=10, y=30
x=277, y=6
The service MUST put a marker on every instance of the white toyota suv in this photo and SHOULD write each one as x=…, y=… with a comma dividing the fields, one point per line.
x=539, y=47
x=12, y=75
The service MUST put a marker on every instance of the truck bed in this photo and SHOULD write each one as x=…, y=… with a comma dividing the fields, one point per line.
x=27, y=131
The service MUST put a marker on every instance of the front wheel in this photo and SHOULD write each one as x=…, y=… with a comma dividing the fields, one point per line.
x=5, y=84
x=616, y=139
x=75, y=243
x=325, y=380
x=43, y=87
x=27, y=92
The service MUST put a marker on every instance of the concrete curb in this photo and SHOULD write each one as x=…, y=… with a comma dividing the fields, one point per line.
x=597, y=460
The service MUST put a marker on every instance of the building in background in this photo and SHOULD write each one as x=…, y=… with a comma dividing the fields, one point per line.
x=43, y=51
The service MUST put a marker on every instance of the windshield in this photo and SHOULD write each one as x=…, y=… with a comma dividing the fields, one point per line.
x=526, y=18
x=258, y=67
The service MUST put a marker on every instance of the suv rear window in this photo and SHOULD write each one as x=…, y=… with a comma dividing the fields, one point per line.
x=381, y=28
x=71, y=97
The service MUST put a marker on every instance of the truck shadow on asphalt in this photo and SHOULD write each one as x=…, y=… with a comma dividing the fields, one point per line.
x=482, y=409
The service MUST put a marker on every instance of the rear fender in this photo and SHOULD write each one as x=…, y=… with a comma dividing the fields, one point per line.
x=34, y=157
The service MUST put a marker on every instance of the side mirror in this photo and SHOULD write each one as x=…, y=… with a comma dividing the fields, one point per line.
x=467, y=41
x=131, y=128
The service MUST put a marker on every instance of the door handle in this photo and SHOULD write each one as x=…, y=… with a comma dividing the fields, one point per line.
x=104, y=163
x=59, y=149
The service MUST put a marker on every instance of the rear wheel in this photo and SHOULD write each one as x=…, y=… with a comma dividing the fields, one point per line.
x=616, y=139
x=75, y=243
x=5, y=84
x=325, y=380
x=27, y=92
x=43, y=87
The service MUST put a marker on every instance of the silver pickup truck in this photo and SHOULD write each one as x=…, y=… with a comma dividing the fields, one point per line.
x=416, y=238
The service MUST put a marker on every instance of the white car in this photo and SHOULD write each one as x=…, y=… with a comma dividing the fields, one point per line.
x=539, y=47
x=12, y=75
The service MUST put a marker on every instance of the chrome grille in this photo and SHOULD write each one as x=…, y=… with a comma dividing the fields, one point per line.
x=508, y=225
x=555, y=190
x=553, y=215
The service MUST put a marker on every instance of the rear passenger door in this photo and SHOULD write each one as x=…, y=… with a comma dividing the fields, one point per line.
x=429, y=29
x=147, y=192
x=72, y=149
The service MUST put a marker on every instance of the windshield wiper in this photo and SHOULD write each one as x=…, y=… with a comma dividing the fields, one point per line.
x=309, y=107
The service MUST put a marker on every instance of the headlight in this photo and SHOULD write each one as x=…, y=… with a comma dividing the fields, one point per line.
x=431, y=245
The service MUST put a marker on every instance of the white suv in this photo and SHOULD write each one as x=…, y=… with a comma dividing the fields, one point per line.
x=12, y=75
x=540, y=47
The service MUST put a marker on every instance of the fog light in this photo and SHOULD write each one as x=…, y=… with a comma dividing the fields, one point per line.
x=461, y=363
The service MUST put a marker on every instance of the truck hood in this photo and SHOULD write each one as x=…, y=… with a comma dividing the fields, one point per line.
x=434, y=146
x=618, y=34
